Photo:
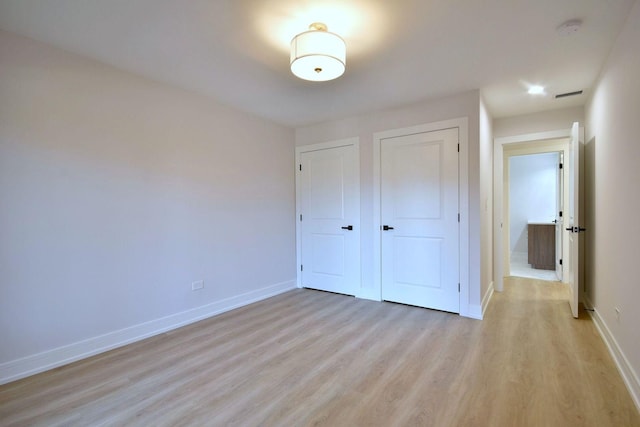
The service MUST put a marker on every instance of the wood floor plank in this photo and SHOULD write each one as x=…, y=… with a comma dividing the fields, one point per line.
x=313, y=358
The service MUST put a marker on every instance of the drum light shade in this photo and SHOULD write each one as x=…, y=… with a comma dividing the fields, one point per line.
x=317, y=54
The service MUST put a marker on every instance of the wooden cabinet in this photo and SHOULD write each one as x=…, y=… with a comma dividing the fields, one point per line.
x=542, y=246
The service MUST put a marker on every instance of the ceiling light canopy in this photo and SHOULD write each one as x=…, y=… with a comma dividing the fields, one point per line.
x=317, y=54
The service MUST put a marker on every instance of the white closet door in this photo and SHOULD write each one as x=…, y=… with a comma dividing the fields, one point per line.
x=419, y=212
x=574, y=227
x=330, y=235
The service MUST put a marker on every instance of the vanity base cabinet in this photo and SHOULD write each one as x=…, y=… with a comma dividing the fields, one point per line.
x=542, y=246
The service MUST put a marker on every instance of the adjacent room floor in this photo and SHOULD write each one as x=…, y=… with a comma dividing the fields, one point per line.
x=314, y=358
x=521, y=268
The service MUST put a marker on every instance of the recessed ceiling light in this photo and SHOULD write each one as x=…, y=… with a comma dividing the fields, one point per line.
x=536, y=90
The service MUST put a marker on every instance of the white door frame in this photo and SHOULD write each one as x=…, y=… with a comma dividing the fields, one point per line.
x=375, y=293
x=499, y=215
x=529, y=148
x=355, y=142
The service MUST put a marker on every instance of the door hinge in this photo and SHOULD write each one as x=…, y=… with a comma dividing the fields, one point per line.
x=300, y=167
x=300, y=217
x=560, y=214
x=458, y=148
x=458, y=287
x=560, y=262
x=560, y=165
x=301, y=267
x=458, y=217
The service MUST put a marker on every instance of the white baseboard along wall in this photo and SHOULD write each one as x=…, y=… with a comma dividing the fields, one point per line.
x=30, y=365
x=629, y=376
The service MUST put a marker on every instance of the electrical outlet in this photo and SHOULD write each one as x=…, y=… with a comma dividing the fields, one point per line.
x=617, y=313
x=199, y=284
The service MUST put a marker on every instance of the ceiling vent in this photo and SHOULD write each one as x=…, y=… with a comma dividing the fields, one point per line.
x=564, y=95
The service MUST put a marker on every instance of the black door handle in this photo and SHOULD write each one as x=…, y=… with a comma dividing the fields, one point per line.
x=569, y=228
x=348, y=227
x=386, y=228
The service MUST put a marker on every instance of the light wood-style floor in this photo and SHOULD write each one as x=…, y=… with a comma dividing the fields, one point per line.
x=313, y=358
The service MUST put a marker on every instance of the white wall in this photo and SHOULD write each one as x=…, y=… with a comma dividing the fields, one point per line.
x=486, y=202
x=613, y=197
x=117, y=192
x=364, y=126
x=533, y=192
x=544, y=121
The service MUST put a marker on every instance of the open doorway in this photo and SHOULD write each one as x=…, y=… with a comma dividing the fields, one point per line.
x=558, y=150
x=534, y=209
x=568, y=142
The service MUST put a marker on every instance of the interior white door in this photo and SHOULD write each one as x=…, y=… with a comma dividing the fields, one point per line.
x=559, y=220
x=329, y=220
x=419, y=213
x=574, y=219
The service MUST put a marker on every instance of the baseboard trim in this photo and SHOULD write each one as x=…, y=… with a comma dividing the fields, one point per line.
x=473, y=311
x=487, y=298
x=476, y=311
x=30, y=365
x=629, y=376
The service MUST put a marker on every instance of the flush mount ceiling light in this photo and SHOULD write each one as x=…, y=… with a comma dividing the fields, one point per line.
x=317, y=54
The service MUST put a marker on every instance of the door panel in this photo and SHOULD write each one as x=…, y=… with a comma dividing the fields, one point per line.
x=326, y=172
x=559, y=220
x=419, y=204
x=327, y=254
x=330, y=253
x=574, y=219
x=417, y=166
x=418, y=260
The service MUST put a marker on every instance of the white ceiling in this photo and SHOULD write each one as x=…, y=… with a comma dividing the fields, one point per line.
x=398, y=52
